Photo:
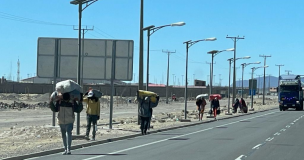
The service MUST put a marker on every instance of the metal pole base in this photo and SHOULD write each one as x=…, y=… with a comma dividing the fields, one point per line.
x=251, y=109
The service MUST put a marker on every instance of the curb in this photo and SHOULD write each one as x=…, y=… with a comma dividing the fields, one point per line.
x=58, y=150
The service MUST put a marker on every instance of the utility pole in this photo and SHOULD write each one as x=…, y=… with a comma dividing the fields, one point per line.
x=235, y=39
x=220, y=80
x=141, y=53
x=259, y=84
x=18, y=71
x=173, y=79
x=84, y=30
x=168, y=68
x=279, y=65
x=269, y=82
x=288, y=71
x=264, y=56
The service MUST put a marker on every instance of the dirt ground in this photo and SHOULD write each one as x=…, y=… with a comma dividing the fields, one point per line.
x=26, y=125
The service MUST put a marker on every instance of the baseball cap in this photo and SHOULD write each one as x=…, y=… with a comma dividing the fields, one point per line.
x=90, y=94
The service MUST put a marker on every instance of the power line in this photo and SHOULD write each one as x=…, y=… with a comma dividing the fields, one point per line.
x=28, y=20
x=104, y=32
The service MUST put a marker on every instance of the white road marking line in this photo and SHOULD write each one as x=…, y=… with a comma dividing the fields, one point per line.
x=257, y=146
x=269, y=139
x=291, y=123
x=287, y=126
x=282, y=130
x=276, y=134
x=240, y=157
x=176, y=137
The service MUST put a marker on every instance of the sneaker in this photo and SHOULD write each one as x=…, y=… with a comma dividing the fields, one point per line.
x=86, y=137
x=64, y=153
x=92, y=139
x=68, y=152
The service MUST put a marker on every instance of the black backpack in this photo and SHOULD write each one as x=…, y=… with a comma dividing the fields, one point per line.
x=53, y=107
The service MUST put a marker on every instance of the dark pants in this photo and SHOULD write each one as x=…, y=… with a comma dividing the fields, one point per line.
x=91, y=119
x=144, y=124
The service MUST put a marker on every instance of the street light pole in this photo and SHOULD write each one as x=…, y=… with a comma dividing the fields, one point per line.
x=186, y=83
x=229, y=85
x=188, y=45
x=252, y=87
x=167, y=86
x=243, y=66
x=80, y=9
x=235, y=39
x=148, y=56
x=213, y=54
x=253, y=69
x=149, y=33
x=210, y=78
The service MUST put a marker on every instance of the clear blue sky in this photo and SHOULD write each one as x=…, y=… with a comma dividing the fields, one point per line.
x=270, y=27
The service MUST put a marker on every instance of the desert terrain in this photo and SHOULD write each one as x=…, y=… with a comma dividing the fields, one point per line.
x=26, y=120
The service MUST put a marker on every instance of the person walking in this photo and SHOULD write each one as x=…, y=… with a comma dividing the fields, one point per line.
x=236, y=105
x=145, y=113
x=93, y=113
x=215, y=104
x=244, y=106
x=66, y=119
x=201, y=103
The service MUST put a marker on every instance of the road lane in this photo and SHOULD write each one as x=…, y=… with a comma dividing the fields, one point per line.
x=225, y=139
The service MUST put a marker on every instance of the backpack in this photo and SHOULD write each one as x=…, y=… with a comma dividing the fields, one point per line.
x=53, y=107
x=78, y=108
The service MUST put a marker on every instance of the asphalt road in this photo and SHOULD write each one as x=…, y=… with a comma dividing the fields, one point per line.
x=265, y=135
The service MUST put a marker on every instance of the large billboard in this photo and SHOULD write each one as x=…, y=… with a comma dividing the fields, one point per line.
x=96, y=58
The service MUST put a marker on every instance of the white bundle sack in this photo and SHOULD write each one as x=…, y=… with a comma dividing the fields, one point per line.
x=67, y=86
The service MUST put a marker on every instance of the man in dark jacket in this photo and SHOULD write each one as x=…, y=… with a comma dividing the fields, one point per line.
x=215, y=104
x=145, y=113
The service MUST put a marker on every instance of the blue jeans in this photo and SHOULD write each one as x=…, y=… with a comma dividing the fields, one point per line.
x=66, y=132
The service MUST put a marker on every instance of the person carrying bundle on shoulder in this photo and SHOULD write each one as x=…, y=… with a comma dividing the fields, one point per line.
x=66, y=117
x=200, y=104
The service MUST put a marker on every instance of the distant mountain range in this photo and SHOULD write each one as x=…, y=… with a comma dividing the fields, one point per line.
x=273, y=82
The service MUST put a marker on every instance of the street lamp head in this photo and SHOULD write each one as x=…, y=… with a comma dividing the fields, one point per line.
x=187, y=41
x=231, y=49
x=258, y=62
x=148, y=28
x=210, y=39
x=178, y=24
x=213, y=52
x=246, y=57
x=75, y=2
